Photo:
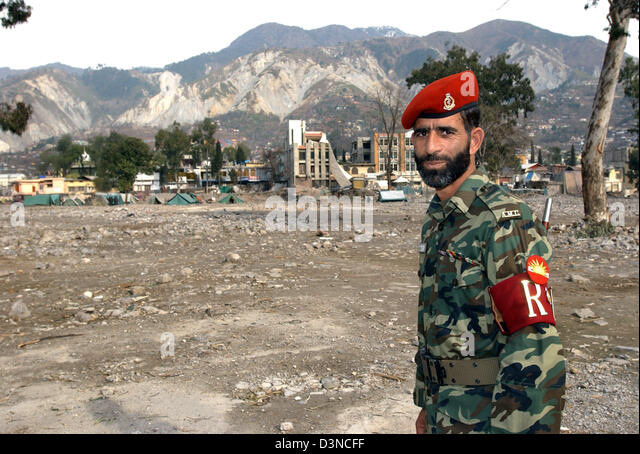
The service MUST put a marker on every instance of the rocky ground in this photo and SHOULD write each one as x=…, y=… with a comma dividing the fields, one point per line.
x=273, y=332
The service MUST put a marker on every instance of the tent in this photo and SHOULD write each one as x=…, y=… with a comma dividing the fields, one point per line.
x=70, y=202
x=182, y=199
x=231, y=198
x=225, y=189
x=392, y=196
x=42, y=200
x=155, y=200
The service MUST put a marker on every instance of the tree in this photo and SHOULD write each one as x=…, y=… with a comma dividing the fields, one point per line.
x=279, y=167
x=60, y=160
x=234, y=176
x=556, y=155
x=203, y=142
x=216, y=163
x=13, y=12
x=14, y=119
x=505, y=94
x=540, y=162
x=119, y=159
x=533, y=153
x=390, y=102
x=633, y=172
x=629, y=79
x=594, y=196
x=173, y=144
x=573, y=160
x=243, y=152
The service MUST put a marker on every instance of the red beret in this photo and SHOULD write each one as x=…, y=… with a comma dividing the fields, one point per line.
x=442, y=98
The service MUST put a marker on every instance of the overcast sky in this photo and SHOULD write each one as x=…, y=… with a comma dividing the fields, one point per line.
x=130, y=33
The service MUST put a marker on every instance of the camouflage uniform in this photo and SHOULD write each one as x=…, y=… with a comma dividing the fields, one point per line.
x=528, y=395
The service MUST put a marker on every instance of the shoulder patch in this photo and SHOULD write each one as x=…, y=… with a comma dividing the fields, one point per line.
x=503, y=206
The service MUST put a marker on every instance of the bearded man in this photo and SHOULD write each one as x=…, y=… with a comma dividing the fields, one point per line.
x=489, y=358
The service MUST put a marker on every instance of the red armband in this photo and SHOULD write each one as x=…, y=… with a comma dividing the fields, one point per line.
x=518, y=302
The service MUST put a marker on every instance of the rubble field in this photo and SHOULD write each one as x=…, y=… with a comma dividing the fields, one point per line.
x=197, y=319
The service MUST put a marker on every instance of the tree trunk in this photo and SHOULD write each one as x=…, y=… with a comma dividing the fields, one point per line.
x=593, y=191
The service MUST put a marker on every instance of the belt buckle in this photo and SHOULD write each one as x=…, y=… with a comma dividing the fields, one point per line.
x=440, y=371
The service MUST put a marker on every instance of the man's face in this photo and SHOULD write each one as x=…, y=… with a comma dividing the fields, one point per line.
x=442, y=149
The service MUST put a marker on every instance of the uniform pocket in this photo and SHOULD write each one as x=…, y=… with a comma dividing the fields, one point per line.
x=464, y=409
x=470, y=281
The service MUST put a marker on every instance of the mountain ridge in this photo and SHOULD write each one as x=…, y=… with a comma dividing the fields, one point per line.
x=279, y=81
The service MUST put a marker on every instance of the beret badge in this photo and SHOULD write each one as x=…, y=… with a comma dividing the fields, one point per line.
x=449, y=102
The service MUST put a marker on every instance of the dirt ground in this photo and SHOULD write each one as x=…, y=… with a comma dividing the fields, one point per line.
x=319, y=335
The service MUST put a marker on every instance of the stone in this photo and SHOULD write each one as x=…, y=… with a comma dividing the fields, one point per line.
x=286, y=426
x=186, y=272
x=242, y=386
x=83, y=317
x=584, y=313
x=618, y=361
x=329, y=383
x=19, y=311
x=601, y=322
x=578, y=279
x=137, y=290
x=164, y=279
x=232, y=258
x=88, y=295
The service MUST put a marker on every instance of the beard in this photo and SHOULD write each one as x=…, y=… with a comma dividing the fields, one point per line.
x=453, y=169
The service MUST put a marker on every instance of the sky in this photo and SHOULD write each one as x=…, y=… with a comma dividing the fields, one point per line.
x=154, y=33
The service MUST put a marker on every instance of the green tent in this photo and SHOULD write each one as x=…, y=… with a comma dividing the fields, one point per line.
x=181, y=199
x=79, y=201
x=231, y=198
x=69, y=202
x=155, y=200
x=42, y=200
x=225, y=189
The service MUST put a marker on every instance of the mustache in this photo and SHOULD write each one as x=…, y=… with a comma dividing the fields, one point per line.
x=431, y=157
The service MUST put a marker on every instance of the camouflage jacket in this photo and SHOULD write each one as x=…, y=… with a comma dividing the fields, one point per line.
x=528, y=396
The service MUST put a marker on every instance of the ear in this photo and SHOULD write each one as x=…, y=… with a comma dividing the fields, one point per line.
x=477, y=136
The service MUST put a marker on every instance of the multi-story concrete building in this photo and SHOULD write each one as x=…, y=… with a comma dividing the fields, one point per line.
x=311, y=159
x=372, y=152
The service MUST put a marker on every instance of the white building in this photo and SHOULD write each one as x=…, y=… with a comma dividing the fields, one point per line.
x=147, y=183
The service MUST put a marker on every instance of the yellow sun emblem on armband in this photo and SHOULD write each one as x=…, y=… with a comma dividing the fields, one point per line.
x=537, y=269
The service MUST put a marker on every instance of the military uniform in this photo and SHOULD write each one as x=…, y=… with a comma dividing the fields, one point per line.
x=471, y=377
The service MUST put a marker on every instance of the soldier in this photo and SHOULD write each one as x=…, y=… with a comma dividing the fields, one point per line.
x=490, y=359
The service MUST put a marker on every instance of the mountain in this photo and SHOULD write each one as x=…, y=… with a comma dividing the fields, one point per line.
x=276, y=36
x=327, y=75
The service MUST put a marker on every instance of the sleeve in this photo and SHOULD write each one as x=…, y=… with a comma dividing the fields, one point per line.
x=529, y=393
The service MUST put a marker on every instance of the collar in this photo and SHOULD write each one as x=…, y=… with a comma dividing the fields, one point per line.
x=462, y=199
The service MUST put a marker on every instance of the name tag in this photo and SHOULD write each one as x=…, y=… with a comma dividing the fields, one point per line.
x=422, y=248
x=506, y=214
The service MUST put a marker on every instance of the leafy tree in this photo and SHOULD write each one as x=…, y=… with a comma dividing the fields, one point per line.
x=216, y=163
x=243, y=152
x=234, y=176
x=629, y=79
x=573, y=159
x=228, y=154
x=173, y=144
x=60, y=160
x=13, y=12
x=14, y=119
x=556, y=155
x=633, y=172
x=594, y=196
x=540, y=162
x=119, y=159
x=504, y=95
